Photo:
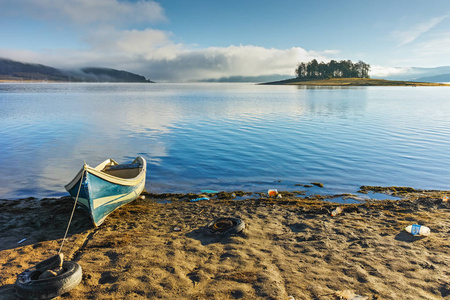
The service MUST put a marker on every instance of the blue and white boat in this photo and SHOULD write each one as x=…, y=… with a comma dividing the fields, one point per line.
x=108, y=186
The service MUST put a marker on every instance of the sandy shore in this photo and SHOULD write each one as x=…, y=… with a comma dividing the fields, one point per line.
x=290, y=247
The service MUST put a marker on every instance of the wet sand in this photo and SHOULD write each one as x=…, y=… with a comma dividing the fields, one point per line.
x=290, y=247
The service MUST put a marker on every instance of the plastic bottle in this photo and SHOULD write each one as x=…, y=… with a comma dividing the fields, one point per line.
x=336, y=211
x=418, y=230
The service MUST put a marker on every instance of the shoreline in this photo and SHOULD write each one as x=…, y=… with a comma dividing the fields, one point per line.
x=336, y=82
x=291, y=246
x=352, y=82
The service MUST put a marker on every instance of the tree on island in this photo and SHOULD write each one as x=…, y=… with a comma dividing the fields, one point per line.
x=333, y=69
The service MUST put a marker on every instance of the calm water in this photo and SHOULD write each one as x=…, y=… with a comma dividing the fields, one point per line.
x=225, y=136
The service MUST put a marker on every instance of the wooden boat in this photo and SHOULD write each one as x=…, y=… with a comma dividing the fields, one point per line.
x=108, y=186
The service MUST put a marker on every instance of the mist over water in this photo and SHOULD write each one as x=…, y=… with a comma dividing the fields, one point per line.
x=224, y=136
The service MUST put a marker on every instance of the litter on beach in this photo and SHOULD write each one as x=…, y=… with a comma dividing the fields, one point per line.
x=336, y=211
x=21, y=241
x=416, y=229
x=272, y=193
x=199, y=199
x=209, y=192
x=350, y=295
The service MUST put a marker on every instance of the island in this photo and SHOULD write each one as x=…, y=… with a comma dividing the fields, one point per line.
x=342, y=73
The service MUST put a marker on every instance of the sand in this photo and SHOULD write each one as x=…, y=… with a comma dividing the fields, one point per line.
x=291, y=248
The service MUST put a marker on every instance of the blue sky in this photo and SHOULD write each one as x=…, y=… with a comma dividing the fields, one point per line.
x=175, y=40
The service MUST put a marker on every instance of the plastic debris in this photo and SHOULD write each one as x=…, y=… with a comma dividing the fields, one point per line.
x=290, y=298
x=350, y=295
x=336, y=211
x=418, y=230
x=272, y=193
x=21, y=241
x=176, y=229
x=209, y=192
x=279, y=196
x=199, y=199
x=142, y=197
x=445, y=199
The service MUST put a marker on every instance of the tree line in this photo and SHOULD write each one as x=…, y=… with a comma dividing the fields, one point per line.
x=333, y=69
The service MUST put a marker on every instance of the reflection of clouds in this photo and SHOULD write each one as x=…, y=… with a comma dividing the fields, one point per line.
x=125, y=124
x=55, y=127
x=224, y=100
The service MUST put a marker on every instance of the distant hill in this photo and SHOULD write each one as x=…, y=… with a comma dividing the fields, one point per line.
x=13, y=70
x=436, y=78
x=111, y=75
x=416, y=74
x=18, y=71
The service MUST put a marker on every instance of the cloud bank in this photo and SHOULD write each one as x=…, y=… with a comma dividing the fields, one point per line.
x=124, y=35
x=85, y=12
x=117, y=34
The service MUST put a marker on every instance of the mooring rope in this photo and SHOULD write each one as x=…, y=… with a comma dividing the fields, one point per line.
x=73, y=209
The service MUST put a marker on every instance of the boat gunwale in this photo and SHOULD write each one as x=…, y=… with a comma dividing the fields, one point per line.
x=97, y=171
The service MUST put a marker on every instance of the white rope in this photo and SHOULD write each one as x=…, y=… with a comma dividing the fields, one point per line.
x=73, y=209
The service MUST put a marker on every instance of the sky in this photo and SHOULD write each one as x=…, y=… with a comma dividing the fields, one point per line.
x=189, y=40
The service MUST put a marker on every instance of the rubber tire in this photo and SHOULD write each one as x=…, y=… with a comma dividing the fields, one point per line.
x=238, y=226
x=50, y=287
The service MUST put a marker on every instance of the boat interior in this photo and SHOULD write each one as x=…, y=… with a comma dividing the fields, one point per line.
x=124, y=170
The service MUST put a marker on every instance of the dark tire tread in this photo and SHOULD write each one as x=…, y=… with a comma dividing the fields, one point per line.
x=49, y=287
x=238, y=226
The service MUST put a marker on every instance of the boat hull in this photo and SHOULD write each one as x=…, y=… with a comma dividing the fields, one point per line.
x=100, y=193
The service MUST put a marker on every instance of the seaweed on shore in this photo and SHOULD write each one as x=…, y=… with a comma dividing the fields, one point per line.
x=390, y=190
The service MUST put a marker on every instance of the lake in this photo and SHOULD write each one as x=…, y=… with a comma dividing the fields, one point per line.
x=222, y=136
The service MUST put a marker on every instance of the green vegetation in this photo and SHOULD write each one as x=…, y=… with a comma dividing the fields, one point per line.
x=333, y=69
x=17, y=71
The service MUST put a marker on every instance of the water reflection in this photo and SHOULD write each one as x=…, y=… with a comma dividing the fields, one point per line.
x=224, y=136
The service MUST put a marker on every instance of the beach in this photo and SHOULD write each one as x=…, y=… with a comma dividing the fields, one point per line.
x=291, y=247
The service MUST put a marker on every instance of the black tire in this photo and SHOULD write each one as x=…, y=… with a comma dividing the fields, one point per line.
x=226, y=226
x=29, y=286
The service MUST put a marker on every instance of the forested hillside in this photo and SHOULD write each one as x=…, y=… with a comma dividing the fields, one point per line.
x=18, y=71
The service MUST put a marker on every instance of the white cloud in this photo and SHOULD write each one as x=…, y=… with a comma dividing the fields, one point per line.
x=85, y=11
x=151, y=54
x=387, y=72
x=408, y=36
x=103, y=27
x=214, y=63
x=146, y=44
x=330, y=52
